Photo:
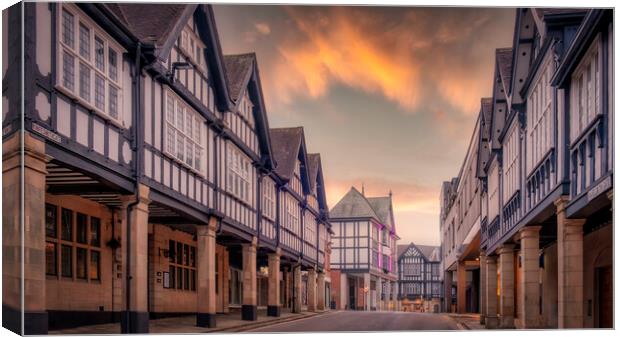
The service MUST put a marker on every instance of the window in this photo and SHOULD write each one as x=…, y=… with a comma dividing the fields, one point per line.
x=192, y=46
x=269, y=199
x=99, y=72
x=183, y=133
x=239, y=182
x=586, y=90
x=292, y=214
x=540, y=124
x=182, y=266
x=78, y=241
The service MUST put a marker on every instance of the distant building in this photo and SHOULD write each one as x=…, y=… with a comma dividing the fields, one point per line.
x=419, y=278
x=363, y=253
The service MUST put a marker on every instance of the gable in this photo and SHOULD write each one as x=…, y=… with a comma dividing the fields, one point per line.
x=525, y=33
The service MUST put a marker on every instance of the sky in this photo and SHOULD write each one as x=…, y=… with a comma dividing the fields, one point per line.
x=387, y=95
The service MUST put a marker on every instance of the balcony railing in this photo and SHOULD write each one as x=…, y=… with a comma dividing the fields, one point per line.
x=586, y=166
x=539, y=182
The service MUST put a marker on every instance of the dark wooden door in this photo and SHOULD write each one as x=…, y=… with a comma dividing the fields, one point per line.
x=605, y=298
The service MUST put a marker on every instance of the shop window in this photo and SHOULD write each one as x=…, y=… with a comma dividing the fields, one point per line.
x=95, y=265
x=95, y=232
x=51, y=218
x=51, y=257
x=80, y=269
x=182, y=266
x=81, y=223
x=69, y=252
x=66, y=257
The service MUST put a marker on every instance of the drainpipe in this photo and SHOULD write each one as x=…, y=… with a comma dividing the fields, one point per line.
x=137, y=167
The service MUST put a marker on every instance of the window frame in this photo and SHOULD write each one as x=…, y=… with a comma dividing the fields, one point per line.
x=172, y=123
x=89, y=61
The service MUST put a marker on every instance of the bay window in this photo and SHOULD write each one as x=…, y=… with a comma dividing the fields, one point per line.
x=539, y=116
x=85, y=66
x=239, y=182
x=183, y=129
x=586, y=90
x=269, y=199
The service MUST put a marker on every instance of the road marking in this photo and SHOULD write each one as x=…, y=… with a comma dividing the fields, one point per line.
x=293, y=321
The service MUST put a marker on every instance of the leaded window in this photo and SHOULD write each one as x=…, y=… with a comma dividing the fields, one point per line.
x=183, y=133
x=83, y=74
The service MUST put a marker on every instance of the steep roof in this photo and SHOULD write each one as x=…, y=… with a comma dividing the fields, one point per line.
x=353, y=205
x=431, y=253
x=504, y=65
x=382, y=206
x=285, y=143
x=149, y=22
x=238, y=68
x=314, y=160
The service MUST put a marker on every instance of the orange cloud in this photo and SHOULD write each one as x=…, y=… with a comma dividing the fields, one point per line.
x=412, y=57
x=406, y=196
x=337, y=48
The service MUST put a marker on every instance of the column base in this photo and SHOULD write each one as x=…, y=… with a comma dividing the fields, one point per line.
x=138, y=322
x=205, y=320
x=482, y=317
x=273, y=310
x=491, y=322
x=507, y=322
x=35, y=323
x=248, y=312
x=11, y=319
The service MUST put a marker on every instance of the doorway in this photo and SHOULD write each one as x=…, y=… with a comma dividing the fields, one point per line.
x=605, y=308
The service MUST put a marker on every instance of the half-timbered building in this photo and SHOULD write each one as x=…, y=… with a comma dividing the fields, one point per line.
x=363, y=253
x=154, y=186
x=419, y=278
x=545, y=164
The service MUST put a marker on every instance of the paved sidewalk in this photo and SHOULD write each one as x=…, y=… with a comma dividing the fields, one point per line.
x=467, y=321
x=187, y=324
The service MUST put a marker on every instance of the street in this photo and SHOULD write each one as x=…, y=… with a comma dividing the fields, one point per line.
x=364, y=321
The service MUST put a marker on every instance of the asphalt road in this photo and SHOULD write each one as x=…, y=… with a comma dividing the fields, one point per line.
x=364, y=321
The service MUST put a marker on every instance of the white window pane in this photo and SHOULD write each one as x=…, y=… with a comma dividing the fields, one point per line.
x=84, y=41
x=113, y=64
x=113, y=101
x=68, y=71
x=84, y=82
x=99, y=54
x=99, y=92
x=68, y=28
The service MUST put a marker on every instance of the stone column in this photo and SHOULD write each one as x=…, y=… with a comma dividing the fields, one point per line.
x=273, y=303
x=447, y=290
x=311, y=289
x=136, y=320
x=506, y=286
x=248, y=308
x=205, y=278
x=490, y=304
x=386, y=297
x=225, y=281
x=570, y=268
x=529, y=297
x=483, y=281
x=461, y=287
x=286, y=280
x=33, y=260
x=320, y=293
x=379, y=291
x=366, y=292
x=297, y=289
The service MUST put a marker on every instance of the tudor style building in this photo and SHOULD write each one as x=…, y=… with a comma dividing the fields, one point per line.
x=419, y=277
x=363, y=255
x=546, y=166
x=153, y=184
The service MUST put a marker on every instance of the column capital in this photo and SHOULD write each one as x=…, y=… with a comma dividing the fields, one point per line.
x=491, y=259
x=560, y=203
x=144, y=200
x=213, y=222
x=506, y=248
x=529, y=231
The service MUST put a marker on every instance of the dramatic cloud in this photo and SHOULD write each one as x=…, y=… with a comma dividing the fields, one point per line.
x=263, y=28
x=388, y=95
